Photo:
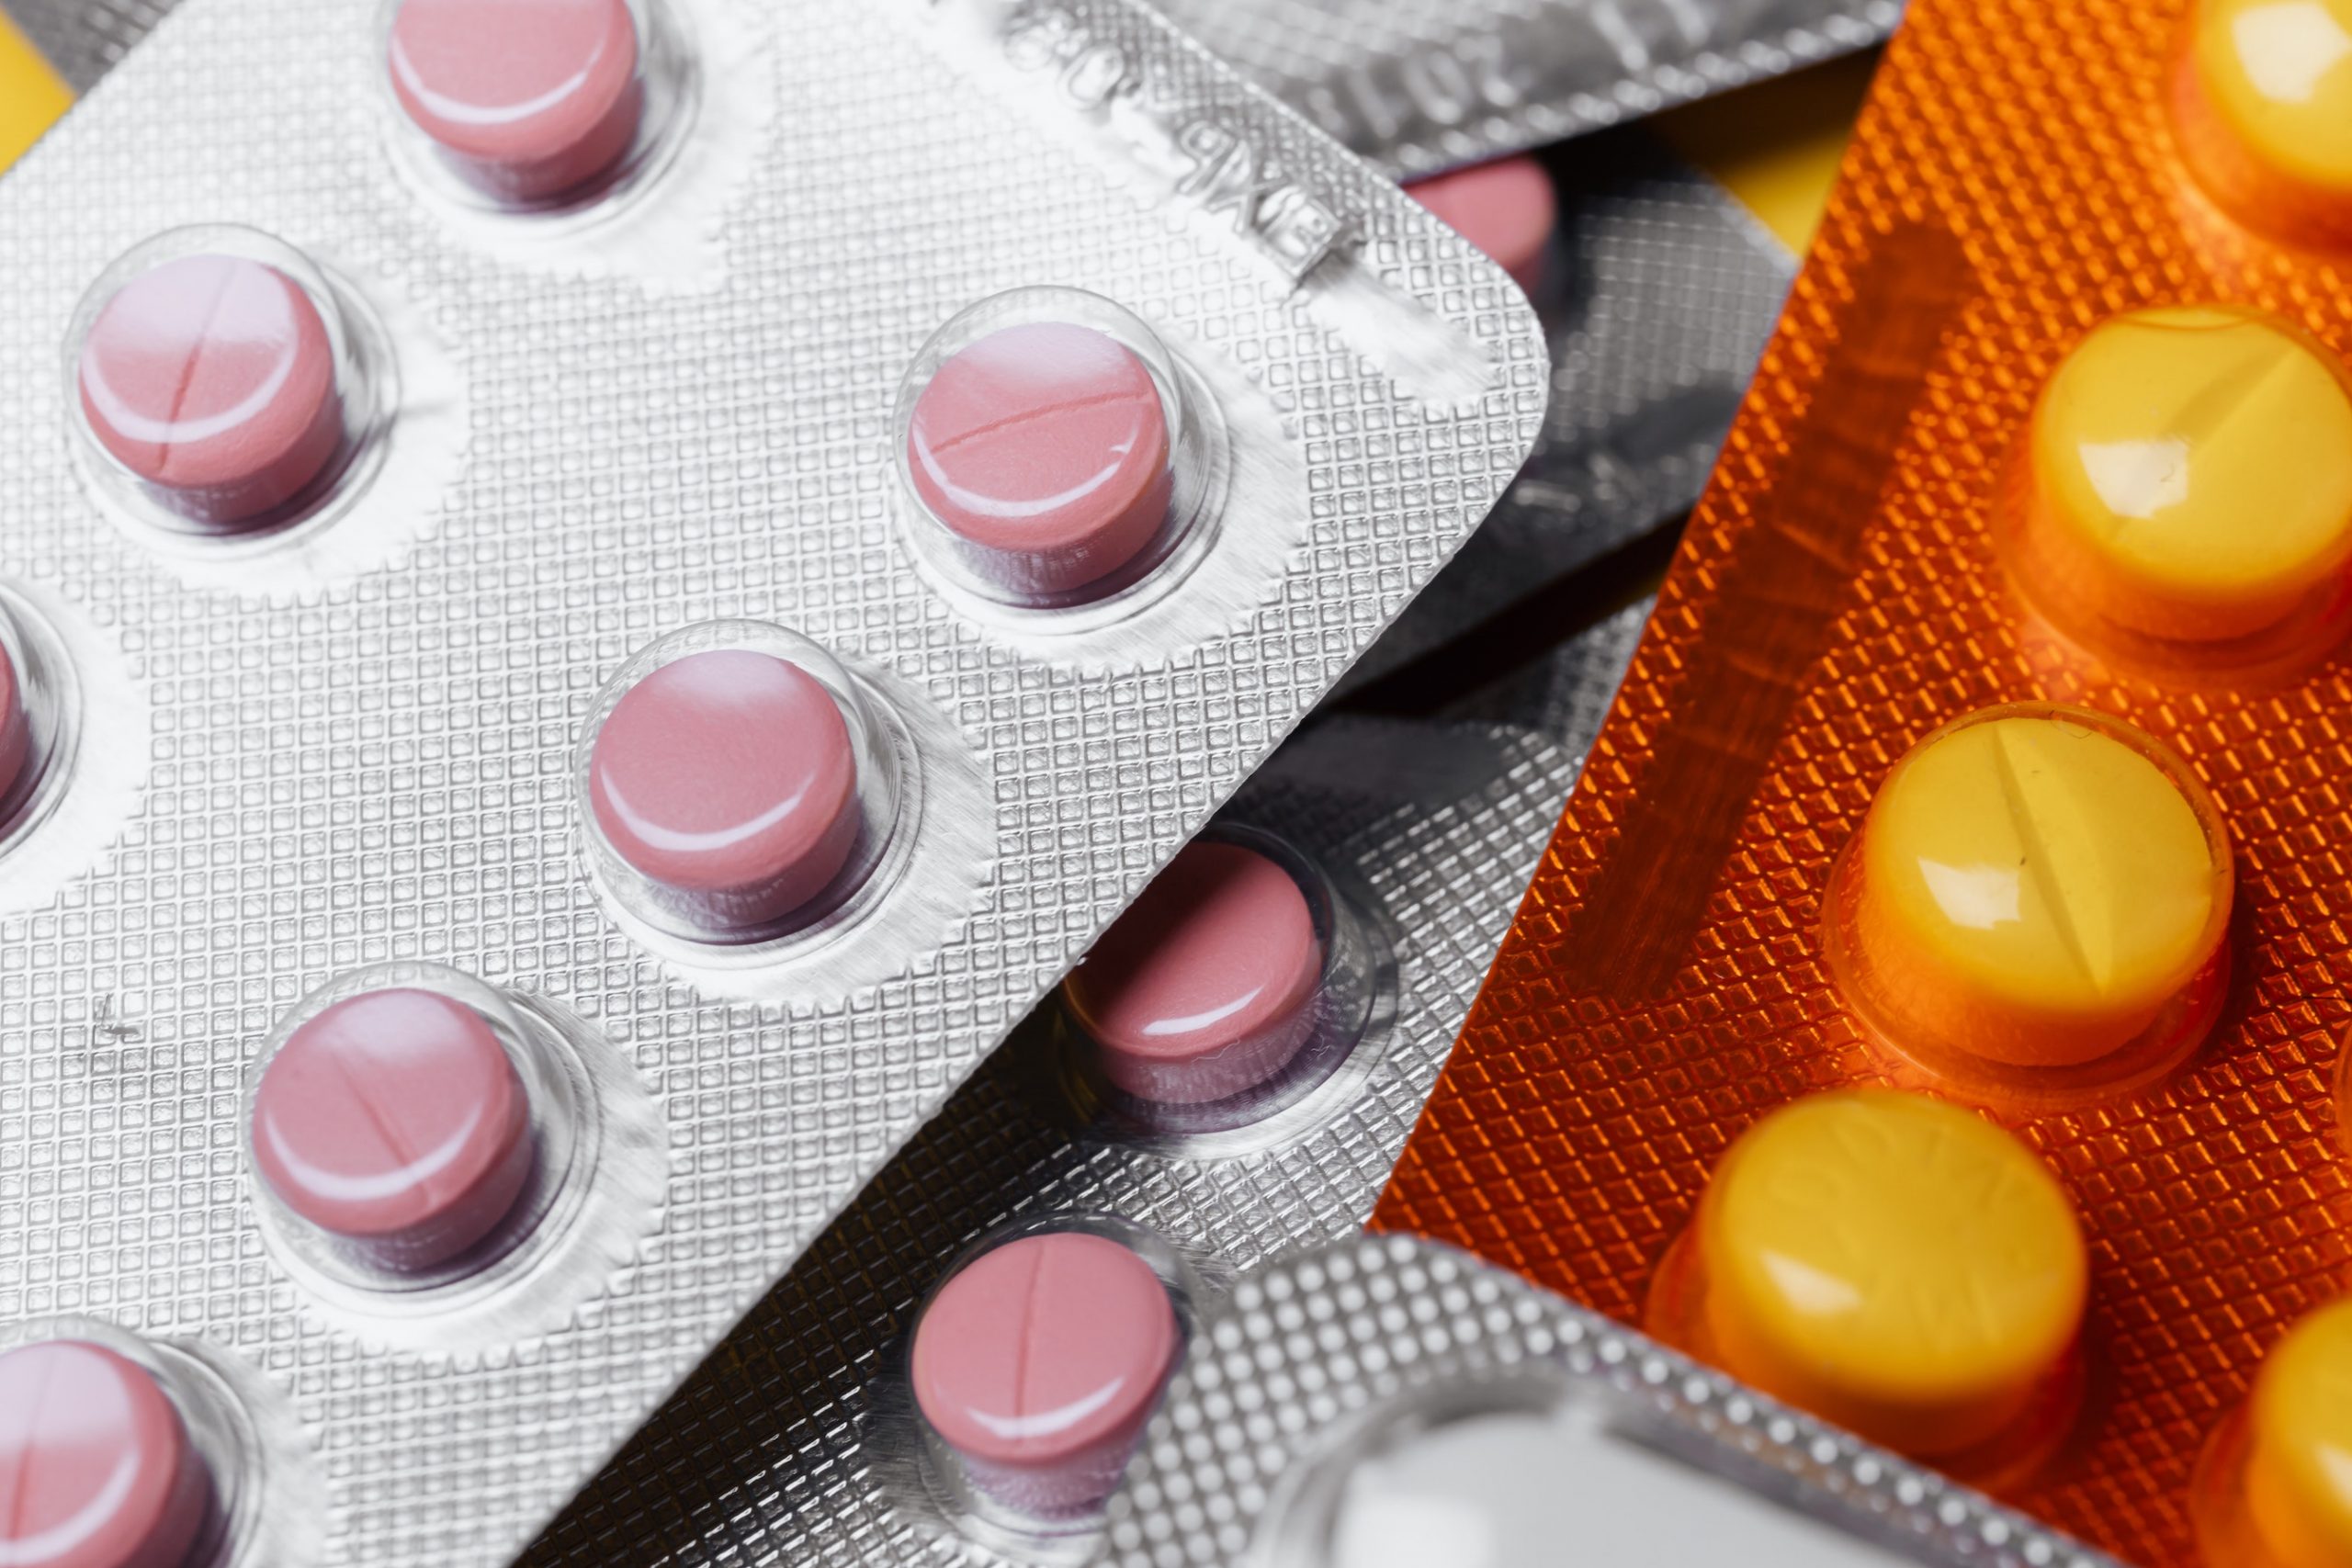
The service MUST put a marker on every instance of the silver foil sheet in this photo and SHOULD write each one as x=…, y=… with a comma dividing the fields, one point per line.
x=1321, y=1359
x=86, y=38
x=784, y=1448
x=1419, y=85
x=356, y=750
x=1662, y=294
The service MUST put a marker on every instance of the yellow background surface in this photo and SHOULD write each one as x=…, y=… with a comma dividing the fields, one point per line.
x=32, y=97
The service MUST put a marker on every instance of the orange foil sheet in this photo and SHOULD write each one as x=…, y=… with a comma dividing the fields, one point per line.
x=2016, y=180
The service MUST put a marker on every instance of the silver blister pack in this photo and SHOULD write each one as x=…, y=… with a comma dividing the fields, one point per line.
x=1662, y=293
x=792, y=1444
x=86, y=38
x=1324, y=1392
x=348, y=751
x=1419, y=85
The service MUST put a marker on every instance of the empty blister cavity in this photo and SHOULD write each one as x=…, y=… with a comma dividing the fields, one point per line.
x=2035, y=912
x=2181, y=502
x=1053, y=453
x=1237, y=984
x=1033, y=1367
x=2273, y=1488
x=118, y=1451
x=1491, y=1472
x=537, y=107
x=737, y=786
x=221, y=383
x=2262, y=109
x=1897, y=1265
x=421, y=1141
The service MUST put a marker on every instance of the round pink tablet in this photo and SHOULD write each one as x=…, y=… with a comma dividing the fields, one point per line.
x=1206, y=987
x=1039, y=1363
x=1044, y=447
x=96, y=1466
x=527, y=98
x=1507, y=209
x=729, y=780
x=212, y=379
x=394, y=1119
x=16, y=726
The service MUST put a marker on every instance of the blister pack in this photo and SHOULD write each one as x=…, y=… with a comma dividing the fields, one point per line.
x=1657, y=291
x=1227, y=1074
x=86, y=39
x=1931, y=1007
x=1420, y=85
x=574, y=660
x=1384, y=1401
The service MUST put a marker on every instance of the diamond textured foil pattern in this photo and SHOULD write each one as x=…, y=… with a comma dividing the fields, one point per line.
x=1422, y=84
x=1837, y=597
x=1313, y=1346
x=1667, y=291
x=374, y=765
x=762, y=1457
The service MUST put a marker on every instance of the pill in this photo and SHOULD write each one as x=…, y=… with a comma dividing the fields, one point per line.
x=16, y=726
x=97, y=1470
x=1507, y=209
x=211, y=378
x=2298, y=1475
x=1206, y=987
x=395, y=1121
x=1044, y=448
x=2036, y=890
x=2263, y=103
x=728, y=780
x=1894, y=1264
x=526, y=99
x=2192, y=475
x=1039, y=1363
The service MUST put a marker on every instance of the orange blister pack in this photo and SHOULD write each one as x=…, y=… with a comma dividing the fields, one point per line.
x=1932, y=1005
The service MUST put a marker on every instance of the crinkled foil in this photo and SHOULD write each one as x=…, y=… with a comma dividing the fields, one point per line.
x=771, y=1453
x=358, y=754
x=1311, y=1351
x=1419, y=85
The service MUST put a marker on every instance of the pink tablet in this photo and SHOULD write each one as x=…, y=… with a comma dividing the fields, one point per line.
x=16, y=726
x=1207, y=986
x=728, y=780
x=1039, y=1363
x=395, y=1121
x=527, y=99
x=213, y=380
x=1507, y=209
x=1044, y=448
x=96, y=1466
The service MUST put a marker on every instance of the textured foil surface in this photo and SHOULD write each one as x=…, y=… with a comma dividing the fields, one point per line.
x=1665, y=292
x=356, y=750
x=86, y=38
x=771, y=1453
x=1311, y=1348
x=1838, y=597
x=1419, y=85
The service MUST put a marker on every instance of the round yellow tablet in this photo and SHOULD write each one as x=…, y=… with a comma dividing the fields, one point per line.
x=2299, y=1468
x=2036, y=888
x=1894, y=1264
x=2268, y=104
x=2192, y=473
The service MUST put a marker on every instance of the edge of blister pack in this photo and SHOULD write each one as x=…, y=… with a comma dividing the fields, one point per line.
x=355, y=750
x=782, y=1448
x=1312, y=1353
x=1420, y=85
